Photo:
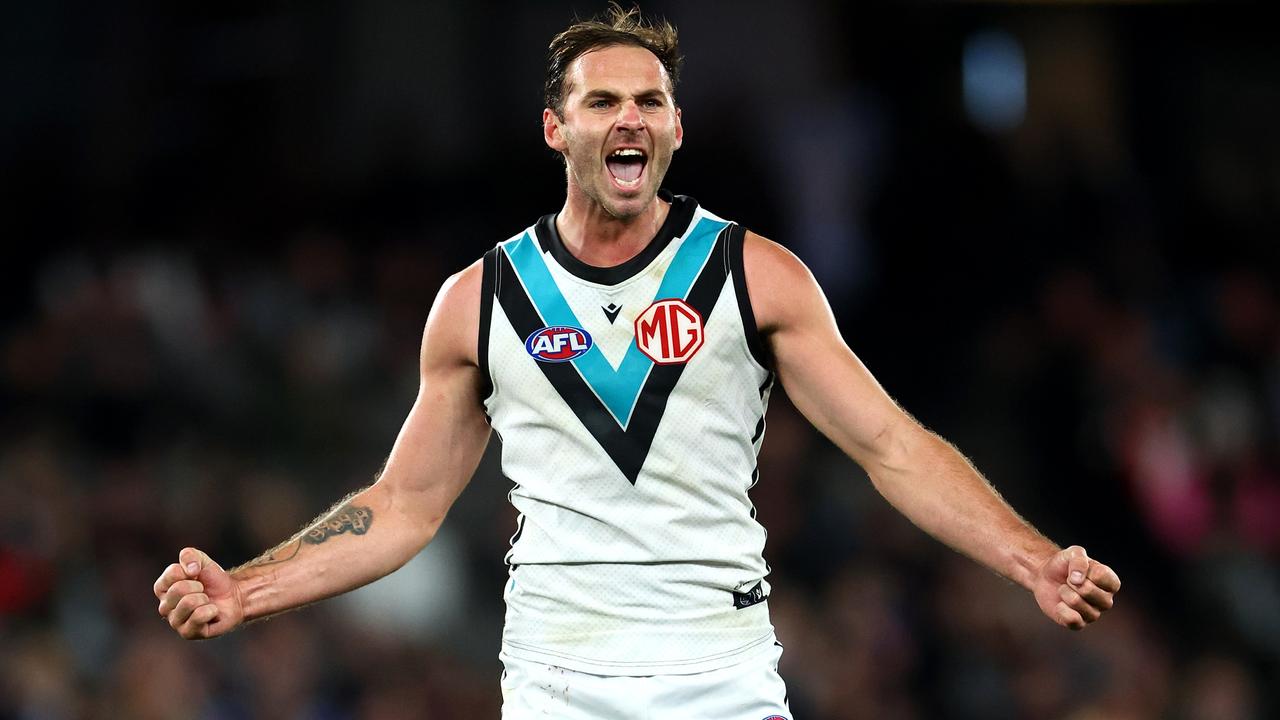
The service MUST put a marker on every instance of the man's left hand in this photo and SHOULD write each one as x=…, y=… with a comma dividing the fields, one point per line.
x=1074, y=590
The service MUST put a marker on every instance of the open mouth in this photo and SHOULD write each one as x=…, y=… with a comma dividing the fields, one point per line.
x=626, y=165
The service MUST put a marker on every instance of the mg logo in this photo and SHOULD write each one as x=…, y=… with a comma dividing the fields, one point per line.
x=669, y=332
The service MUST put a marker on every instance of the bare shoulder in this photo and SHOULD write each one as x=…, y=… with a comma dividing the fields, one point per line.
x=780, y=284
x=452, y=328
x=461, y=290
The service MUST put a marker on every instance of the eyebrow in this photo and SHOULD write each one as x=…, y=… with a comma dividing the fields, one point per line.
x=602, y=94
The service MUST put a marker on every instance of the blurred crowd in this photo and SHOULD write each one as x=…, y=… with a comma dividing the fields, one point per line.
x=1087, y=307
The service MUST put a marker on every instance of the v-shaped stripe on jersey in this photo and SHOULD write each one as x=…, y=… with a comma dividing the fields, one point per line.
x=627, y=445
x=618, y=388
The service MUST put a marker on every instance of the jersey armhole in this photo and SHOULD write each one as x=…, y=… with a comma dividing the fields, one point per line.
x=755, y=343
x=488, y=290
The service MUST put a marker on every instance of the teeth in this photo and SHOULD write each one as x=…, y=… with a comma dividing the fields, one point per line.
x=627, y=152
x=628, y=183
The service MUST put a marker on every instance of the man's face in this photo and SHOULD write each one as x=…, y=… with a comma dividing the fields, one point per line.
x=620, y=127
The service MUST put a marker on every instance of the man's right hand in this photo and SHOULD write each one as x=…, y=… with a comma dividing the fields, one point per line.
x=198, y=598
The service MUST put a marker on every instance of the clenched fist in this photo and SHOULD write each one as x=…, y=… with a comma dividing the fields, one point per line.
x=198, y=598
x=1074, y=590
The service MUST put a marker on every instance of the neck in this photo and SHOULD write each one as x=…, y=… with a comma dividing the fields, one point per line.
x=597, y=237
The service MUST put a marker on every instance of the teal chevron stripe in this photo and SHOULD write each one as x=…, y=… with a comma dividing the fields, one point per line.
x=617, y=389
x=689, y=259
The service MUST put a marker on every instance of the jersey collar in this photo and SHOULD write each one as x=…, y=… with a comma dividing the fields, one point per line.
x=677, y=222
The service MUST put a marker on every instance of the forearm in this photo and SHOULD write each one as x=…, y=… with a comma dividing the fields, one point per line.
x=931, y=483
x=362, y=538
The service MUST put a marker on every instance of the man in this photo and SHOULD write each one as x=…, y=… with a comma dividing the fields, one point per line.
x=625, y=352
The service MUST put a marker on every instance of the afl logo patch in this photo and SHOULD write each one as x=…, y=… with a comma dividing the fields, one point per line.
x=669, y=331
x=556, y=344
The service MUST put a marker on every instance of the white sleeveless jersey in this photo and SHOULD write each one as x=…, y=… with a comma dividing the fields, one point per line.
x=630, y=402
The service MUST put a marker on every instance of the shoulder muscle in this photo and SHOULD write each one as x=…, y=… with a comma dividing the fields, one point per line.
x=783, y=291
x=452, y=328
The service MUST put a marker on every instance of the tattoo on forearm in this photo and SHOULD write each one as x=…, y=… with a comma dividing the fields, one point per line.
x=355, y=519
x=345, y=518
x=280, y=554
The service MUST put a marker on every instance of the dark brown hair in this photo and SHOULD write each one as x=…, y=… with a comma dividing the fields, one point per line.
x=616, y=27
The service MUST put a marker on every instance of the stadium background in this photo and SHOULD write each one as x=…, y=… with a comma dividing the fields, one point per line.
x=224, y=226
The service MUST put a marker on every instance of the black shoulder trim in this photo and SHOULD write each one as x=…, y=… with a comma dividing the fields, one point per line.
x=755, y=343
x=488, y=288
x=677, y=222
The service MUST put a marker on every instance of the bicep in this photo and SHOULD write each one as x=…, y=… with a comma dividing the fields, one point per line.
x=822, y=376
x=445, y=433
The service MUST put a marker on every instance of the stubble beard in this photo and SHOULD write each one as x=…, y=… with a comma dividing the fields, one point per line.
x=596, y=186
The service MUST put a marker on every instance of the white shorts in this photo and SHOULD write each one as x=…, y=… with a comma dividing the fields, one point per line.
x=750, y=690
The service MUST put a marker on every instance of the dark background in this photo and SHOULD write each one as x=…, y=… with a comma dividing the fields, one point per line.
x=224, y=226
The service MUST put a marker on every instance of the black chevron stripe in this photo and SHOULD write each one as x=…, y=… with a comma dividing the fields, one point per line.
x=628, y=448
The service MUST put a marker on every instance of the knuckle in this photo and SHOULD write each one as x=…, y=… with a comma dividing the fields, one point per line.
x=1069, y=618
x=165, y=581
x=1106, y=576
x=184, y=588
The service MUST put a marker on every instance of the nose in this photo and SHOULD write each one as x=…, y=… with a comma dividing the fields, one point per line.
x=629, y=116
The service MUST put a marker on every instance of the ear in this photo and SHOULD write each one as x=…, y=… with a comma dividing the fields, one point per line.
x=552, y=132
x=679, y=130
